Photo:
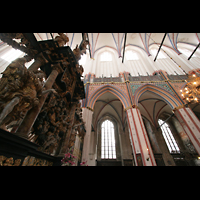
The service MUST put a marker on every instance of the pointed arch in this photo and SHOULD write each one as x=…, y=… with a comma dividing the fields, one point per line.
x=136, y=47
x=120, y=94
x=105, y=47
x=166, y=96
x=156, y=45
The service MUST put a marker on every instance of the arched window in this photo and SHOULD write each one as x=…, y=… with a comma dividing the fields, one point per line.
x=106, y=56
x=187, y=52
x=108, y=149
x=130, y=55
x=160, y=55
x=169, y=138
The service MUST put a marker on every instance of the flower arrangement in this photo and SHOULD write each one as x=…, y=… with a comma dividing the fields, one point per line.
x=68, y=159
x=83, y=163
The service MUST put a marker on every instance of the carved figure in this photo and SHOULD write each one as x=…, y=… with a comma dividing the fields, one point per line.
x=62, y=39
x=80, y=69
x=17, y=162
x=80, y=51
x=77, y=53
x=20, y=90
x=9, y=162
x=83, y=46
x=4, y=161
x=2, y=158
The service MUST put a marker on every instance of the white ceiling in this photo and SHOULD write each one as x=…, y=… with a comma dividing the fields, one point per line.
x=116, y=40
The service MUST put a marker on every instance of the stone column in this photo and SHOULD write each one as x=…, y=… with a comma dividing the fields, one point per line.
x=142, y=151
x=190, y=124
x=28, y=121
x=152, y=136
x=126, y=149
x=87, y=118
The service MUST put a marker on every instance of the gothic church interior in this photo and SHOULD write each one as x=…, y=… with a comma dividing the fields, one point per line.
x=99, y=99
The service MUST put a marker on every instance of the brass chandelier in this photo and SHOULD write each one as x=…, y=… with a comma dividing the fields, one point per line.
x=191, y=91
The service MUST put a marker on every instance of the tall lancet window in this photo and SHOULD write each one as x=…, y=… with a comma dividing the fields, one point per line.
x=169, y=138
x=108, y=149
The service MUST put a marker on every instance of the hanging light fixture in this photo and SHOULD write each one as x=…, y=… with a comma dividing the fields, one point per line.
x=191, y=91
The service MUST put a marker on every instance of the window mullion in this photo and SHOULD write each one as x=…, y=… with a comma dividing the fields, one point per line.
x=172, y=139
x=166, y=138
x=169, y=138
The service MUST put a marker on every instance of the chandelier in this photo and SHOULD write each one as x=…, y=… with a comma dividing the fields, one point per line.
x=191, y=91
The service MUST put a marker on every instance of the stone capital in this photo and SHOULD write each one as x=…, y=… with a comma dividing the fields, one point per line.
x=178, y=107
x=90, y=109
x=131, y=106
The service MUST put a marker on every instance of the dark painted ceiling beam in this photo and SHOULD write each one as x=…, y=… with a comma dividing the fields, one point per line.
x=31, y=38
x=160, y=46
x=85, y=36
x=89, y=45
x=194, y=51
x=51, y=35
x=124, y=48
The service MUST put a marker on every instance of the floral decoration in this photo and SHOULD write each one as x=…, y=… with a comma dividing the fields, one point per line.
x=68, y=159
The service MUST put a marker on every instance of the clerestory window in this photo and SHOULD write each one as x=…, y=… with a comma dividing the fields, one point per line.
x=187, y=52
x=106, y=56
x=108, y=149
x=130, y=55
x=160, y=55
